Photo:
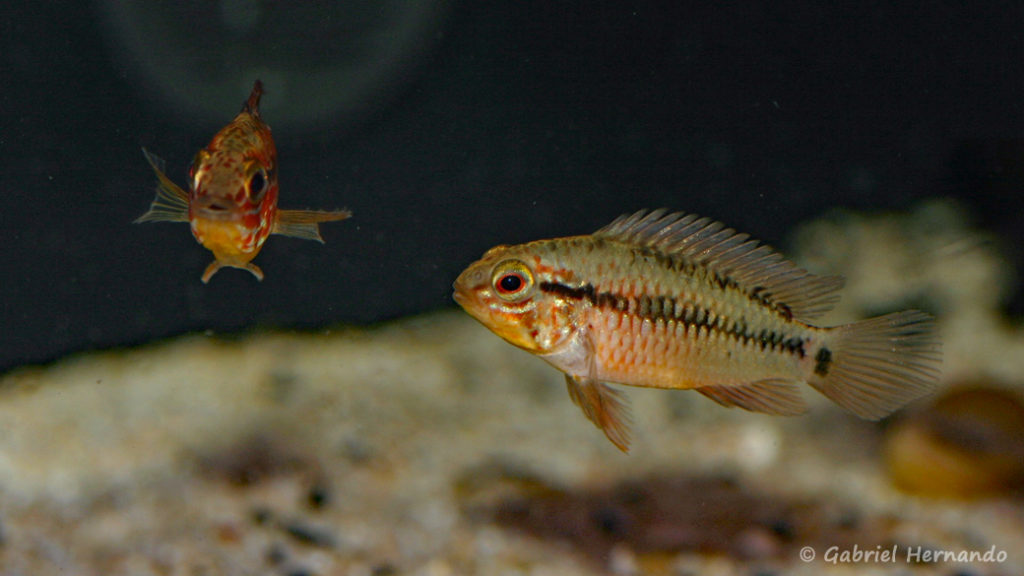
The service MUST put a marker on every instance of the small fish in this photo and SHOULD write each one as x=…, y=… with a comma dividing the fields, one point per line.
x=232, y=198
x=681, y=302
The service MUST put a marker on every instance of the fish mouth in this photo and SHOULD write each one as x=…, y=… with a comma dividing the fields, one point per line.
x=464, y=286
x=465, y=300
x=211, y=208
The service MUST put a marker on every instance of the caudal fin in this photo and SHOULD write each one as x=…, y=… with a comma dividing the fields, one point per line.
x=876, y=366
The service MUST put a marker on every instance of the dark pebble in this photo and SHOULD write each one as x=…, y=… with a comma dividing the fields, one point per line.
x=783, y=528
x=261, y=515
x=384, y=570
x=312, y=535
x=318, y=496
x=276, y=554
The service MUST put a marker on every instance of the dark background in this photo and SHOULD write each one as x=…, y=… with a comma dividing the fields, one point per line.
x=511, y=121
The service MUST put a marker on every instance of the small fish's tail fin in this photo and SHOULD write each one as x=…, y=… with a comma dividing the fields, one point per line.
x=876, y=366
x=171, y=202
x=305, y=223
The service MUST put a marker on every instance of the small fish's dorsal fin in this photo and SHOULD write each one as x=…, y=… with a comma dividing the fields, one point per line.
x=252, y=104
x=753, y=266
x=304, y=223
x=171, y=202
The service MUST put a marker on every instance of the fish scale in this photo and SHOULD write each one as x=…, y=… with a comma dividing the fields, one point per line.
x=676, y=301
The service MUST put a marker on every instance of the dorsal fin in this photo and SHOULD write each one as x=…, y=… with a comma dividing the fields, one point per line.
x=754, y=267
x=252, y=104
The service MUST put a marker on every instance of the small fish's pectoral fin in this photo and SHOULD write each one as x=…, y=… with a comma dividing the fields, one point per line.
x=217, y=265
x=211, y=270
x=304, y=223
x=779, y=397
x=255, y=270
x=171, y=202
x=606, y=407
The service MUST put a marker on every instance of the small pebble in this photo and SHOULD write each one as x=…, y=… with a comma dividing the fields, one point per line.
x=276, y=554
x=757, y=542
x=307, y=534
x=319, y=495
x=261, y=515
x=622, y=562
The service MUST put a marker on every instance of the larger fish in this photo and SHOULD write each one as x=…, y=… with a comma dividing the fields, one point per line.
x=677, y=301
x=232, y=198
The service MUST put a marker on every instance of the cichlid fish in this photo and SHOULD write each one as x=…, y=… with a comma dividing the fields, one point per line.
x=232, y=198
x=677, y=301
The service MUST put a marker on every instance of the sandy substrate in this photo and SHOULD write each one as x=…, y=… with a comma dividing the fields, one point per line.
x=428, y=446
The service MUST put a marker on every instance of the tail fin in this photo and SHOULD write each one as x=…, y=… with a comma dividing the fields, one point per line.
x=874, y=367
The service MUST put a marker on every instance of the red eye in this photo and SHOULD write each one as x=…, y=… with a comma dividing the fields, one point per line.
x=511, y=279
x=511, y=282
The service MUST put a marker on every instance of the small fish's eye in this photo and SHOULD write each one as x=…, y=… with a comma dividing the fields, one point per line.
x=257, y=185
x=511, y=279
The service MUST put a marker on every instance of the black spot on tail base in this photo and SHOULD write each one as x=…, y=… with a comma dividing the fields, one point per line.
x=822, y=362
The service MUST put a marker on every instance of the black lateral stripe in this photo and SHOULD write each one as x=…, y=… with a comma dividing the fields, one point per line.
x=585, y=292
x=667, y=309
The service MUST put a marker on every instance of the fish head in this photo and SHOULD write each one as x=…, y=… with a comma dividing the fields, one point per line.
x=504, y=292
x=233, y=197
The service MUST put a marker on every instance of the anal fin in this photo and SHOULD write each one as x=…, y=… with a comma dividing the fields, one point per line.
x=777, y=396
x=606, y=407
x=305, y=223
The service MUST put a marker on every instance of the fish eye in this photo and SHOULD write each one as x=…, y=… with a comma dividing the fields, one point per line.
x=511, y=279
x=257, y=185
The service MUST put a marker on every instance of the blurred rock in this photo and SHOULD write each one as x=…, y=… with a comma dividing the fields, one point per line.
x=968, y=443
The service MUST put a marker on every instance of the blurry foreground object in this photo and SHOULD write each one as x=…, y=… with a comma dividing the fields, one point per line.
x=329, y=62
x=968, y=443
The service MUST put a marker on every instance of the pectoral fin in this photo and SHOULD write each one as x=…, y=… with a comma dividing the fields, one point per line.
x=779, y=397
x=171, y=202
x=606, y=407
x=304, y=223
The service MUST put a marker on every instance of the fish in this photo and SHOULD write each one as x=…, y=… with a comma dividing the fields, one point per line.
x=678, y=301
x=231, y=203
